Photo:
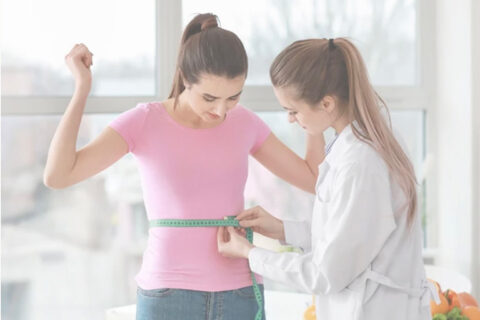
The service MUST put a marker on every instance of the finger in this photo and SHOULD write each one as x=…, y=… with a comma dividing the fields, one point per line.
x=243, y=232
x=231, y=232
x=249, y=223
x=240, y=230
x=86, y=62
x=246, y=214
x=220, y=235
x=89, y=61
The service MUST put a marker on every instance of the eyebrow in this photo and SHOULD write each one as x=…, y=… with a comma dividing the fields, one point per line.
x=213, y=97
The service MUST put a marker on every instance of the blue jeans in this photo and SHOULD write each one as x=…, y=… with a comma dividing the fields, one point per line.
x=181, y=304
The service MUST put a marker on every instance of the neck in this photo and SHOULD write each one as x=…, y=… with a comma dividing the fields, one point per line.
x=184, y=112
x=341, y=124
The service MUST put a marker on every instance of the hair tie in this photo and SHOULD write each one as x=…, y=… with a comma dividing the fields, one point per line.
x=209, y=23
x=331, y=45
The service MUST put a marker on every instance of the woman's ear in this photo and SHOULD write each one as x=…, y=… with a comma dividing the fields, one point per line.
x=187, y=85
x=185, y=82
x=328, y=104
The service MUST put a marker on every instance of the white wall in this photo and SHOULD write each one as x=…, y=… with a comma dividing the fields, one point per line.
x=476, y=146
x=456, y=161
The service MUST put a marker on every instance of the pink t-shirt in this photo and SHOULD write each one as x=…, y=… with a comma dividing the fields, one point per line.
x=190, y=173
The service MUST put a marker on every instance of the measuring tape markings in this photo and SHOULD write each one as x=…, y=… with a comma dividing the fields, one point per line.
x=229, y=221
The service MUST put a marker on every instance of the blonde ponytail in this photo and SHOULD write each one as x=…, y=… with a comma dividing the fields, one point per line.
x=315, y=68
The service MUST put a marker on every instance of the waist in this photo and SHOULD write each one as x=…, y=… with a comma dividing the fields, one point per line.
x=196, y=266
x=191, y=250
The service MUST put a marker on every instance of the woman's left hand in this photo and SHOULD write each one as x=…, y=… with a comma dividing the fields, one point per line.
x=232, y=244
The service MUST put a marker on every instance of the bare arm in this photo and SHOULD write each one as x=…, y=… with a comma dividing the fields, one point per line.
x=287, y=165
x=315, y=153
x=65, y=165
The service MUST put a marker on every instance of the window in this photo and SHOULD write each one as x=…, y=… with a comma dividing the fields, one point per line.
x=73, y=253
x=121, y=34
x=70, y=253
x=383, y=30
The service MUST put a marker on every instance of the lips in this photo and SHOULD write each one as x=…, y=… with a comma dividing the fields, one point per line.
x=213, y=116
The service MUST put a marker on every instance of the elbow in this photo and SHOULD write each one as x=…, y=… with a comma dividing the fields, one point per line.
x=52, y=182
x=333, y=285
x=326, y=285
x=312, y=186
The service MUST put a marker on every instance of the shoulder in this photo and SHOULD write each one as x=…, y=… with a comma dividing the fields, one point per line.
x=247, y=116
x=361, y=159
x=144, y=110
x=141, y=108
x=242, y=112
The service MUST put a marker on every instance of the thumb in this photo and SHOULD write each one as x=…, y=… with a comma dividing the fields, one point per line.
x=220, y=232
x=249, y=223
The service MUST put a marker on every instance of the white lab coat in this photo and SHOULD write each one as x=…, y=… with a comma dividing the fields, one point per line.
x=360, y=259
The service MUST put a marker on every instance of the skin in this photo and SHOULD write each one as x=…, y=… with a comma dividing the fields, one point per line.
x=314, y=119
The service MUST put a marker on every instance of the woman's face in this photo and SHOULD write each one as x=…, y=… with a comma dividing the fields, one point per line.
x=314, y=119
x=213, y=96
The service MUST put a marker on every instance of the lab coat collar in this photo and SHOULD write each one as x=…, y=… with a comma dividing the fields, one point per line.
x=343, y=142
x=337, y=152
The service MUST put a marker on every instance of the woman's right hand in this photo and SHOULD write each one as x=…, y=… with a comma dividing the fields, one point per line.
x=79, y=60
x=262, y=222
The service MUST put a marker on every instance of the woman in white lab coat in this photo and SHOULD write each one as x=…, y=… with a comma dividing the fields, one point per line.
x=362, y=245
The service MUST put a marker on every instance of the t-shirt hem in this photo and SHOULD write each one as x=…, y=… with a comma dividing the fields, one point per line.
x=188, y=285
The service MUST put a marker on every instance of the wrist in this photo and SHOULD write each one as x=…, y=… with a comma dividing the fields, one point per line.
x=281, y=235
x=248, y=249
x=82, y=90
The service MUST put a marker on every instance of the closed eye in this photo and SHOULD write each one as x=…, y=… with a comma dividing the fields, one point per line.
x=208, y=99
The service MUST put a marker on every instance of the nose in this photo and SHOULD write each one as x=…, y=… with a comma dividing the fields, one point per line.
x=220, y=110
x=291, y=118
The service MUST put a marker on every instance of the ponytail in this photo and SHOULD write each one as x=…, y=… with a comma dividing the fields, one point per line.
x=315, y=68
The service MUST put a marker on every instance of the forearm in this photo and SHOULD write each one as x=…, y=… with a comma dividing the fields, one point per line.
x=287, y=165
x=62, y=152
x=291, y=268
x=315, y=152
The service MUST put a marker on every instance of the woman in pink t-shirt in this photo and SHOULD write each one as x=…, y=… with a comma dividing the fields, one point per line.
x=192, y=153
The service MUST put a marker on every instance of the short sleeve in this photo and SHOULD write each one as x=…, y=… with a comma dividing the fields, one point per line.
x=261, y=130
x=130, y=124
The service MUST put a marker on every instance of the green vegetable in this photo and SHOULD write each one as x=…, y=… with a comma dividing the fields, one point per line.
x=455, y=314
x=439, y=316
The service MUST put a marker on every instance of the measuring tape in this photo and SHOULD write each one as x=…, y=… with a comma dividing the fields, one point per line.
x=229, y=221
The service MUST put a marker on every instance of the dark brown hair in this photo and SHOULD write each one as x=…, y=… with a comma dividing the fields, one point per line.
x=315, y=68
x=207, y=49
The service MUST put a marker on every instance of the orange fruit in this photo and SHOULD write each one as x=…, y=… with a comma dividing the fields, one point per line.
x=452, y=298
x=471, y=312
x=437, y=285
x=443, y=307
x=466, y=299
x=310, y=313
